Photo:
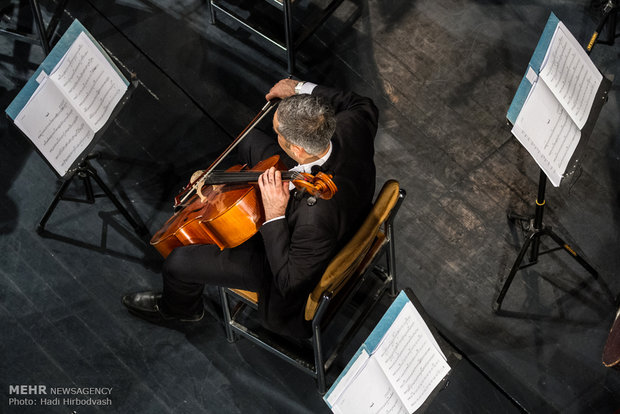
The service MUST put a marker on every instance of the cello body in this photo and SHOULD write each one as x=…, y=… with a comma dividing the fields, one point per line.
x=226, y=215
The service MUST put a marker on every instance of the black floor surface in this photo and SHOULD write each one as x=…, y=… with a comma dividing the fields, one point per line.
x=443, y=74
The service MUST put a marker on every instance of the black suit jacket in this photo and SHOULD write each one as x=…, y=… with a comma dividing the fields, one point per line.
x=299, y=248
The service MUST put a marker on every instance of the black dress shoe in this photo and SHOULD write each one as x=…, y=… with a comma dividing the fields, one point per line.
x=147, y=305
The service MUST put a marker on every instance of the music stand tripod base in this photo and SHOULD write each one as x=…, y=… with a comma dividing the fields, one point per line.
x=532, y=240
x=85, y=171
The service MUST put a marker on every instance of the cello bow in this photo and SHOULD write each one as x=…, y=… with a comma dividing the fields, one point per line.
x=191, y=187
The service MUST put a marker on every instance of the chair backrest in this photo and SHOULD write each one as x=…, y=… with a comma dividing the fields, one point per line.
x=352, y=255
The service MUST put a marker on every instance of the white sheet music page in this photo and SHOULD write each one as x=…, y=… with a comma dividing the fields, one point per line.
x=411, y=358
x=54, y=126
x=89, y=81
x=69, y=106
x=546, y=130
x=398, y=376
x=559, y=103
x=570, y=74
x=366, y=391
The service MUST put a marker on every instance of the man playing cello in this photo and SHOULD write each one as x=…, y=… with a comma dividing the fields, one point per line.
x=316, y=126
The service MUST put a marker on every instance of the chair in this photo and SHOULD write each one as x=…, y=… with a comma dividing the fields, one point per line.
x=355, y=265
x=44, y=33
x=291, y=41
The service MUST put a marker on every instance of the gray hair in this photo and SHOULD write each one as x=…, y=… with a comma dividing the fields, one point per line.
x=307, y=121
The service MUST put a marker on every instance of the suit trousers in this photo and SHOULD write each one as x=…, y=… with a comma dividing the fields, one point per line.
x=188, y=268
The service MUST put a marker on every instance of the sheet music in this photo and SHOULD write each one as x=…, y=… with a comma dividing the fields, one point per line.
x=396, y=369
x=559, y=100
x=548, y=133
x=54, y=126
x=70, y=105
x=411, y=358
x=89, y=81
x=366, y=391
x=570, y=74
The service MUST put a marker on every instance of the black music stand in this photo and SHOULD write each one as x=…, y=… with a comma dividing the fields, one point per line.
x=85, y=171
x=80, y=166
x=534, y=224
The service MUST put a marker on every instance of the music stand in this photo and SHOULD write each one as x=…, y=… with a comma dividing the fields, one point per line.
x=85, y=171
x=534, y=224
x=92, y=57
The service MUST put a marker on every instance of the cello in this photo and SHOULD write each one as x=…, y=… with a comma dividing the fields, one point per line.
x=225, y=207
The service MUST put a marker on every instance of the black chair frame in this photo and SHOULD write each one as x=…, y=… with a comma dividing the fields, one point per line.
x=44, y=33
x=318, y=364
x=291, y=42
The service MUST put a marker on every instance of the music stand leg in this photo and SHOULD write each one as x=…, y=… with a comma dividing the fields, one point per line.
x=140, y=230
x=533, y=240
x=571, y=252
x=513, y=271
x=53, y=204
x=86, y=171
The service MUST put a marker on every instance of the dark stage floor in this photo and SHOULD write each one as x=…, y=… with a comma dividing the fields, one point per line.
x=443, y=74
